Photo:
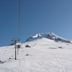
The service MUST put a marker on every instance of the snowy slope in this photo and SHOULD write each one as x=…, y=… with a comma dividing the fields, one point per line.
x=43, y=55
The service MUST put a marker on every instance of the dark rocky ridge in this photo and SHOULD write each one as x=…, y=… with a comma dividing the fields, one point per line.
x=49, y=35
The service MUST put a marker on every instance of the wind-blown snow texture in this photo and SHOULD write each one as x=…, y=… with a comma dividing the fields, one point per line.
x=40, y=55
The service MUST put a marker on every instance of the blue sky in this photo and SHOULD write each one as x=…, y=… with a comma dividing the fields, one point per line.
x=36, y=16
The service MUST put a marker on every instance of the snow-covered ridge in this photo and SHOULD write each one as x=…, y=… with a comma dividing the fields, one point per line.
x=49, y=35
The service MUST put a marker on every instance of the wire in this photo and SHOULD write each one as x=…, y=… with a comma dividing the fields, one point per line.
x=18, y=16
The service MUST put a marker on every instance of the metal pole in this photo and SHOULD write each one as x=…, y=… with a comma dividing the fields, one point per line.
x=15, y=51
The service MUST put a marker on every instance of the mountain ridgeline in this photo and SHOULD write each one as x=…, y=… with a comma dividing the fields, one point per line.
x=49, y=35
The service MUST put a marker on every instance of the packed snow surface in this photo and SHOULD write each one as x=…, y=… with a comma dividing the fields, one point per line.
x=42, y=55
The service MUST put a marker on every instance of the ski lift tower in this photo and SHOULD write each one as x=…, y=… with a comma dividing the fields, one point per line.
x=17, y=46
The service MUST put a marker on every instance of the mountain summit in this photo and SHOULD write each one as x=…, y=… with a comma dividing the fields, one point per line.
x=50, y=35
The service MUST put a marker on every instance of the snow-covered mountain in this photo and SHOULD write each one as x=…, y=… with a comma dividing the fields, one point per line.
x=42, y=54
x=49, y=35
